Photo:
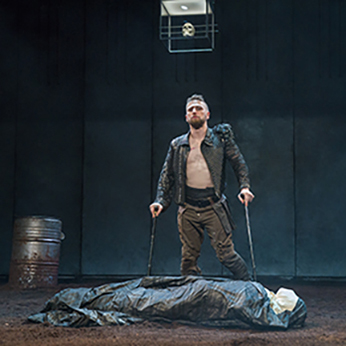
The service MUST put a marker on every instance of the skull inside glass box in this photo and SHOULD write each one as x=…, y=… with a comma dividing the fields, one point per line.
x=188, y=25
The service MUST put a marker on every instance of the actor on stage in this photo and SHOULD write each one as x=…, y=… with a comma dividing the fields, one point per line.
x=194, y=175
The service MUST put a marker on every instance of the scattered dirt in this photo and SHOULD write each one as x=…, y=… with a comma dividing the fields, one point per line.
x=325, y=324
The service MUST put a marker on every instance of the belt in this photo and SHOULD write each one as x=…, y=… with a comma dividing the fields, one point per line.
x=202, y=202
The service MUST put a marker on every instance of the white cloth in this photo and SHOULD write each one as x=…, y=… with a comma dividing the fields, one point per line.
x=284, y=299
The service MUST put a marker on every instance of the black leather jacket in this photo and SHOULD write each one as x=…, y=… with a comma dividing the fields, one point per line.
x=217, y=147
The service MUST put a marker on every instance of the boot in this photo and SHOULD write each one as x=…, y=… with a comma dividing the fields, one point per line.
x=237, y=266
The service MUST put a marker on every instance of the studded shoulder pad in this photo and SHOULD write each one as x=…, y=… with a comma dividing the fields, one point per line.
x=223, y=131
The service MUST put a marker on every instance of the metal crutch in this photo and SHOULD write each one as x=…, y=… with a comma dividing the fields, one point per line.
x=152, y=238
x=250, y=241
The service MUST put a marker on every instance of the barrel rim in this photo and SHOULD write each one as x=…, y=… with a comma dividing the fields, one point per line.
x=38, y=217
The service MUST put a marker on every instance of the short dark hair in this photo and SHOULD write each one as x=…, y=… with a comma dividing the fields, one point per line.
x=197, y=97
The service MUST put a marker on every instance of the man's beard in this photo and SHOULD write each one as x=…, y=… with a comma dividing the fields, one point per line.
x=196, y=122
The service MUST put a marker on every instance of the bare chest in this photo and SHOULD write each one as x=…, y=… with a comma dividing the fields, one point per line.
x=195, y=155
x=197, y=172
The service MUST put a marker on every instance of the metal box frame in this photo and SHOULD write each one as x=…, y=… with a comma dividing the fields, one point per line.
x=187, y=25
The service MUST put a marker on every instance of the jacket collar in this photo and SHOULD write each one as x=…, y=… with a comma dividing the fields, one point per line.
x=207, y=139
x=185, y=139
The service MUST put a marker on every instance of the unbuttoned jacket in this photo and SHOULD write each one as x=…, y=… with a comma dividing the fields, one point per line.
x=217, y=147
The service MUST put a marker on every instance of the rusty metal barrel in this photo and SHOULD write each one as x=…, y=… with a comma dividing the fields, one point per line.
x=35, y=252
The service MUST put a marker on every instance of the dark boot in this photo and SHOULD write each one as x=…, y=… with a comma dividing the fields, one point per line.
x=189, y=267
x=237, y=266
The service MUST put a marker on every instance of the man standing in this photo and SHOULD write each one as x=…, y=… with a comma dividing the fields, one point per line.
x=194, y=172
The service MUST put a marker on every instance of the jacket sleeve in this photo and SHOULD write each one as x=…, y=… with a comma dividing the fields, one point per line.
x=165, y=184
x=233, y=155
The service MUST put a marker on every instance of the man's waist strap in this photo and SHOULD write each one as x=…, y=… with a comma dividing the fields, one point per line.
x=202, y=203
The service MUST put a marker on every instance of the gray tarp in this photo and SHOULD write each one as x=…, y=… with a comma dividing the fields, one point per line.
x=197, y=300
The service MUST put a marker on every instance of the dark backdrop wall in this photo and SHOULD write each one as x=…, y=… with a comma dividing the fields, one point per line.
x=90, y=99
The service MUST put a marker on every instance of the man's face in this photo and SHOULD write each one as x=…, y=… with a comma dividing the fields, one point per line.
x=197, y=113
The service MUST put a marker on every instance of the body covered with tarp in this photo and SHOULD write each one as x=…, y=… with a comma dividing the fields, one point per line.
x=195, y=300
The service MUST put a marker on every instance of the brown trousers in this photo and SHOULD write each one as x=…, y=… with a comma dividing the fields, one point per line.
x=192, y=221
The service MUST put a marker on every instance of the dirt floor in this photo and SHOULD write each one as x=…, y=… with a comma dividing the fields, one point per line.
x=325, y=324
